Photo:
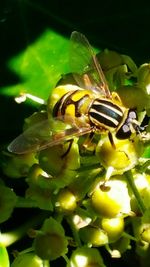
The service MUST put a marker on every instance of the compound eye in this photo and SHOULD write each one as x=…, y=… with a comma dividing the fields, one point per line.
x=132, y=115
x=124, y=132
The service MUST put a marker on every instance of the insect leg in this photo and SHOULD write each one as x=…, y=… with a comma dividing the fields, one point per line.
x=68, y=149
x=87, y=81
x=111, y=140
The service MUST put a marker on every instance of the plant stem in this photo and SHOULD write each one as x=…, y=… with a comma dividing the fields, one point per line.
x=140, y=202
x=46, y=263
x=66, y=259
x=74, y=231
x=25, y=203
x=129, y=236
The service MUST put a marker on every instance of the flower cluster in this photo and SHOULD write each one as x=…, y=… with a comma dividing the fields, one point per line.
x=91, y=196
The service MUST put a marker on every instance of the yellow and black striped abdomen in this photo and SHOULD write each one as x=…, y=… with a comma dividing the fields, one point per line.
x=74, y=103
x=105, y=114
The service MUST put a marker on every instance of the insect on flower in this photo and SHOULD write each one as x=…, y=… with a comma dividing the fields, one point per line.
x=87, y=108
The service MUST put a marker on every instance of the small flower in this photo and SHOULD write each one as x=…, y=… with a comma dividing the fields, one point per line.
x=85, y=257
x=114, y=201
x=51, y=243
x=27, y=259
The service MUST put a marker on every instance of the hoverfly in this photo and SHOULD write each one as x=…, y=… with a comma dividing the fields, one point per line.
x=84, y=109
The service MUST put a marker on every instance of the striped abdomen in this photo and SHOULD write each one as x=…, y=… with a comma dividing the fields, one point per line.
x=74, y=103
x=105, y=115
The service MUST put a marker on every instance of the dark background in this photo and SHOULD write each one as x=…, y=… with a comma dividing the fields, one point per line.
x=123, y=26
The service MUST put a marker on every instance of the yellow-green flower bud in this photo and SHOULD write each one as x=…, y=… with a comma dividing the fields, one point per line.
x=143, y=77
x=93, y=236
x=27, y=259
x=38, y=177
x=112, y=202
x=121, y=158
x=61, y=162
x=109, y=59
x=121, y=245
x=51, y=242
x=145, y=235
x=66, y=201
x=86, y=257
x=113, y=227
x=141, y=226
x=142, y=184
x=54, y=161
x=134, y=97
x=49, y=246
x=17, y=166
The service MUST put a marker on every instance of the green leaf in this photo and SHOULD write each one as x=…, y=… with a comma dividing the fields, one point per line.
x=7, y=202
x=39, y=66
x=4, y=259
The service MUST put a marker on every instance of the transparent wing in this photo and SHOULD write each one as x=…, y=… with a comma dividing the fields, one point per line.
x=45, y=134
x=85, y=66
